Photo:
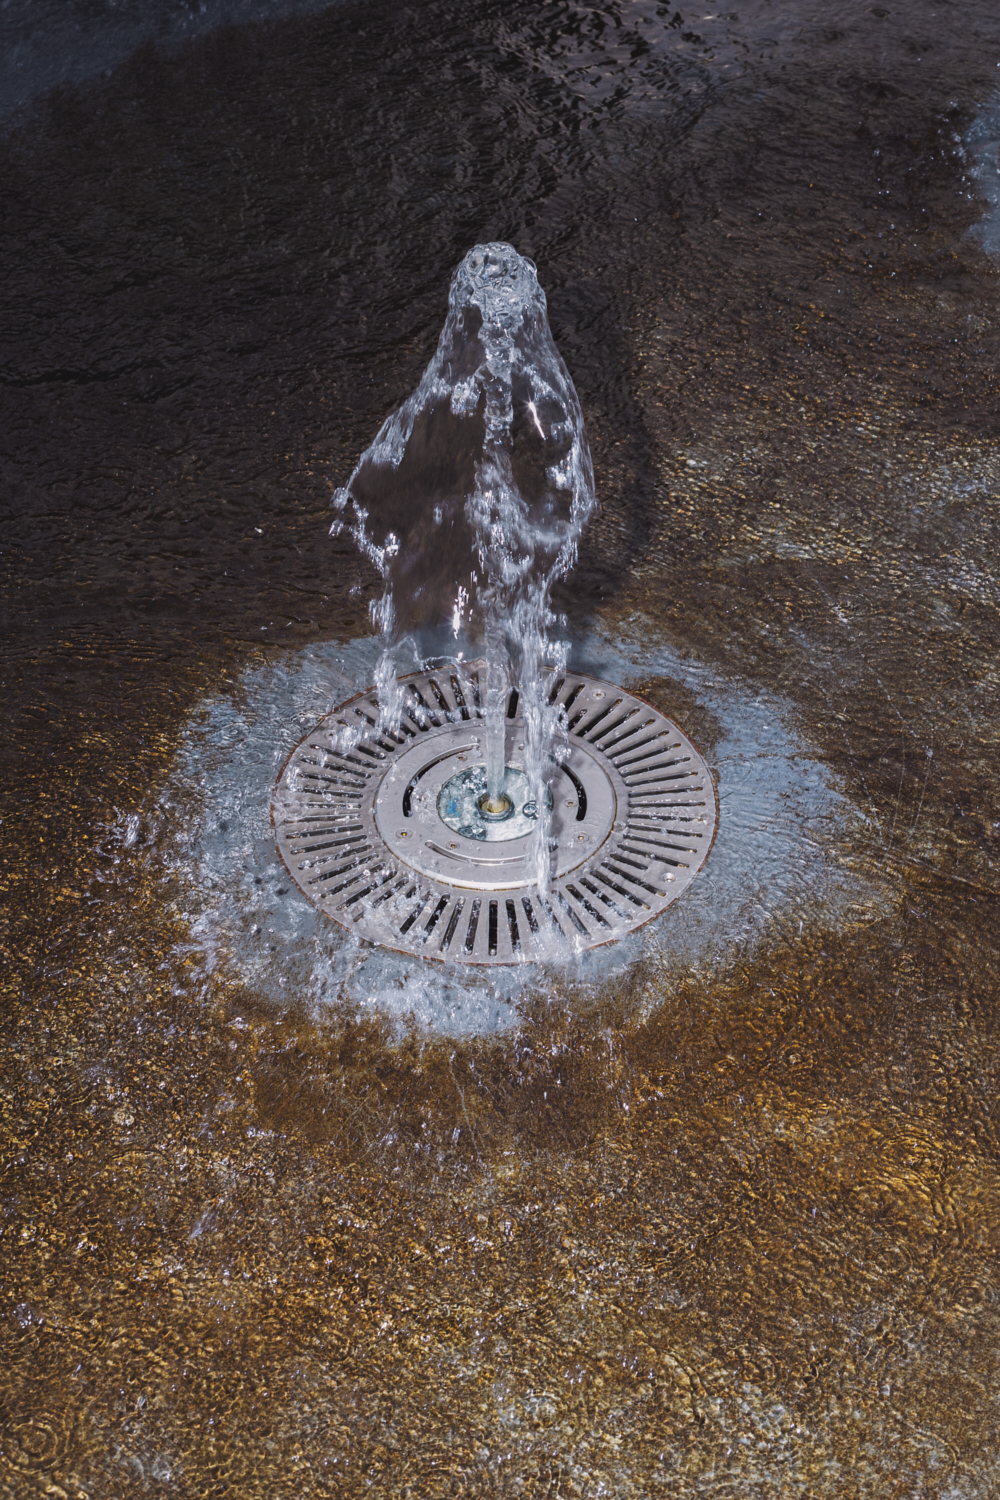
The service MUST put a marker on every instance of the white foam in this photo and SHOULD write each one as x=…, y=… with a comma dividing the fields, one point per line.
x=781, y=858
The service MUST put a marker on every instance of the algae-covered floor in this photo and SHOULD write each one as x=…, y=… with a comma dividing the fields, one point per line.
x=722, y=1229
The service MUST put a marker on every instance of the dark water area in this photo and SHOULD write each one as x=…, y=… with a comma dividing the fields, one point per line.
x=728, y=1230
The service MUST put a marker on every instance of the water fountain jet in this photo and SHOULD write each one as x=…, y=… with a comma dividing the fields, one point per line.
x=424, y=800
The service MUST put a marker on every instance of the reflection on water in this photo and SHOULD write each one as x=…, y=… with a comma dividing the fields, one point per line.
x=717, y=1213
x=48, y=43
x=982, y=151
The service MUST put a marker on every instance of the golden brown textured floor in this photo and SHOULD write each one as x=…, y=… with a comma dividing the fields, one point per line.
x=743, y=1244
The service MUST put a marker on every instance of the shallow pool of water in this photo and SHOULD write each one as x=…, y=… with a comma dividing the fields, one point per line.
x=715, y=1211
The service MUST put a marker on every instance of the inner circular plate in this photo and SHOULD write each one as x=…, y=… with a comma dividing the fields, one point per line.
x=462, y=806
x=382, y=831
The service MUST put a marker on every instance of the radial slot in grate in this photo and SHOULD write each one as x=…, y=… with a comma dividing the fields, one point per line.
x=369, y=823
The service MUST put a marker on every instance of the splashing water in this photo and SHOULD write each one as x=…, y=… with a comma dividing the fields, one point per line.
x=791, y=850
x=471, y=502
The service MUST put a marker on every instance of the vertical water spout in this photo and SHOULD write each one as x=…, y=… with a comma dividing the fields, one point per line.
x=472, y=498
x=494, y=716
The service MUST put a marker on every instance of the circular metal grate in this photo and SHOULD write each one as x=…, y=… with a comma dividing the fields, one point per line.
x=388, y=838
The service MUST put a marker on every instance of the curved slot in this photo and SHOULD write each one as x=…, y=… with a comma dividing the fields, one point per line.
x=474, y=859
x=493, y=930
x=581, y=792
x=411, y=786
x=556, y=690
x=529, y=913
x=512, y=702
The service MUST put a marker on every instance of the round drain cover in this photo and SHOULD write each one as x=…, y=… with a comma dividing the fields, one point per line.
x=391, y=835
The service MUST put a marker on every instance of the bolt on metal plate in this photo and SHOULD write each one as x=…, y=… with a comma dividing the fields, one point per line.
x=384, y=834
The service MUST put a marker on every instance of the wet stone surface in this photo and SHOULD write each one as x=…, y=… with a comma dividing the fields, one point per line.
x=686, y=1226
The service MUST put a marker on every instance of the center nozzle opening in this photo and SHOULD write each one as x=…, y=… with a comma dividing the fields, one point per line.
x=464, y=805
x=495, y=807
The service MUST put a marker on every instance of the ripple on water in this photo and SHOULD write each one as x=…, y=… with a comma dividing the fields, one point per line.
x=785, y=855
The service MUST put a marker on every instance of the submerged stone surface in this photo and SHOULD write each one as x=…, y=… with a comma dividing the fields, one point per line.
x=683, y=1227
